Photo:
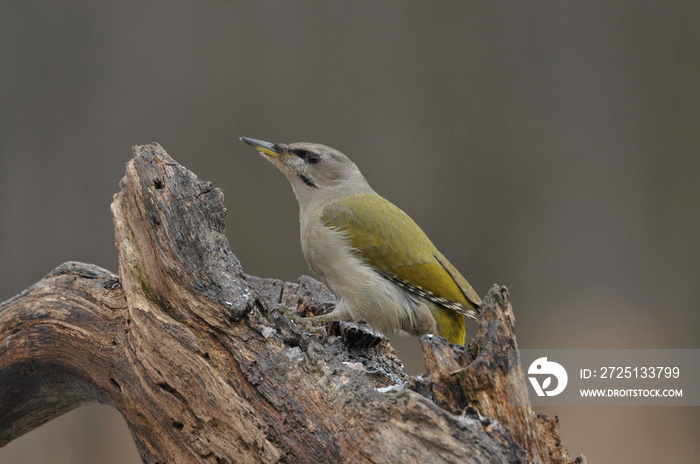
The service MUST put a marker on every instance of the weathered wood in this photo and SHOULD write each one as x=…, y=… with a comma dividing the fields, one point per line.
x=204, y=368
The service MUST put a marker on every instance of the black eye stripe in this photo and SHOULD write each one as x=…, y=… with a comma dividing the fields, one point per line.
x=306, y=154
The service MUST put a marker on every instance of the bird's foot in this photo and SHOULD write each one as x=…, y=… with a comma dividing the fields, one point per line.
x=314, y=325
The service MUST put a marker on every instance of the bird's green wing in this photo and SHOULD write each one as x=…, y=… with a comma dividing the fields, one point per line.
x=388, y=239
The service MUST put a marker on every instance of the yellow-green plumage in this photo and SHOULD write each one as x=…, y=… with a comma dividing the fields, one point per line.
x=379, y=264
x=389, y=240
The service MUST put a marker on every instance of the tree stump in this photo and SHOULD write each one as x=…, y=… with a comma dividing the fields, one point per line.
x=204, y=367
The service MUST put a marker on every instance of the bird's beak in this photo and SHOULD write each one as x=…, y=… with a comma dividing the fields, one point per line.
x=271, y=149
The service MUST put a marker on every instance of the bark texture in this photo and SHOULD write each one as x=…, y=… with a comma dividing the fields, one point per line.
x=205, y=367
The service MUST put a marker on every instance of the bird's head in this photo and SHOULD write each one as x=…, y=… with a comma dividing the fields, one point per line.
x=314, y=170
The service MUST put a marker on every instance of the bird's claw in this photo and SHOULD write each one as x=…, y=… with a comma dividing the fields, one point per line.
x=313, y=325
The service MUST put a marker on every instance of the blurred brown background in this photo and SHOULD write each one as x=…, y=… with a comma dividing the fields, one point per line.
x=553, y=148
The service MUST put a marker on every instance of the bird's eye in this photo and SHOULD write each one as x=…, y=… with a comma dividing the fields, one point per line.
x=313, y=159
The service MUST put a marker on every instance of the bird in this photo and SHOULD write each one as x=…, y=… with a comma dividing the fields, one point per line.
x=380, y=265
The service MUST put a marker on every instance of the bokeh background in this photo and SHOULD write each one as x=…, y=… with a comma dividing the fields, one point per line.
x=553, y=147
